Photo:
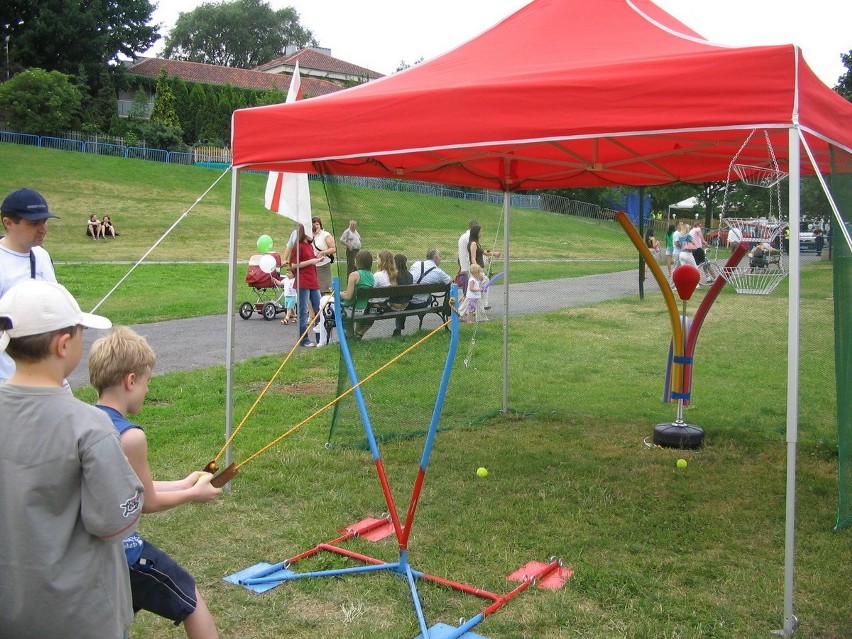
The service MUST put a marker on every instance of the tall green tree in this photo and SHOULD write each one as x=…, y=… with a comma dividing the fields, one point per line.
x=844, y=82
x=60, y=35
x=105, y=98
x=164, y=102
x=242, y=33
x=40, y=102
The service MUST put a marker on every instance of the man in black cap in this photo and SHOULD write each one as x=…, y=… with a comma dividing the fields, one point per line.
x=22, y=257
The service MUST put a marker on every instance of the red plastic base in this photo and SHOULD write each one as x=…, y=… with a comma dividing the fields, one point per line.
x=552, y=581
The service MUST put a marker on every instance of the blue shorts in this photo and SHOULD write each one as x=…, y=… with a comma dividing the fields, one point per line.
x=289, y=301
x=161, y=586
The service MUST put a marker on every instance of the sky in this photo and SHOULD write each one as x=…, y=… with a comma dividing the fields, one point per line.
x=379, y=34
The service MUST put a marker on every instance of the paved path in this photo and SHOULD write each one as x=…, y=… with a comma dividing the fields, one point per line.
x=199, y=342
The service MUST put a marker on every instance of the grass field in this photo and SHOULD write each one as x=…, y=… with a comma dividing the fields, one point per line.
x=186, y=274
x=658, y=551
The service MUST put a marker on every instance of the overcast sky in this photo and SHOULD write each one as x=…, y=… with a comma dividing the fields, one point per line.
x=379, y=34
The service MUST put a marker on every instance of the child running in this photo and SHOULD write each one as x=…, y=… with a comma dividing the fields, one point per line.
x=120, y=366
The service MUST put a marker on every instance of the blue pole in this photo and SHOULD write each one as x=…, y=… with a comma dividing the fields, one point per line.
x=350, y=367
x=319, y=573
x=445, y=381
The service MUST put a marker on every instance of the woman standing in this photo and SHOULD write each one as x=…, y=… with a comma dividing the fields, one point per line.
x=477, y=255
x=325, y=249
x=303, y=260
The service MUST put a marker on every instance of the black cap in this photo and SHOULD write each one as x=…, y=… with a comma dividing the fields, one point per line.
x=27, y=204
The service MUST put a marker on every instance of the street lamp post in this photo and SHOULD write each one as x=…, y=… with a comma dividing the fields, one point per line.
x=7, y=56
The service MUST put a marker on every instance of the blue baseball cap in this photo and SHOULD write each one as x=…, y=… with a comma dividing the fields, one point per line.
x=27, y=204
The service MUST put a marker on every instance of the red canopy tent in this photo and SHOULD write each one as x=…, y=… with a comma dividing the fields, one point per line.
x=571, y=93
x=562, y=93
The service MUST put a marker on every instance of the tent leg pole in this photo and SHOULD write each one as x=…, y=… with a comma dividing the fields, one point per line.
x=790, y=620
x=507, y=198
x=230, y=326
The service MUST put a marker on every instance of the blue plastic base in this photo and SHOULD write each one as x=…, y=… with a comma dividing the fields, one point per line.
x=251, y=571
x=442, y=630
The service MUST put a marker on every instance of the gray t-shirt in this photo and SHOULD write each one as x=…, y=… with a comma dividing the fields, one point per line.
x=68, y=498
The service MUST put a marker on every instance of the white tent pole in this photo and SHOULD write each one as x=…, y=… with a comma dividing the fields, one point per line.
x=507, y=199
x=790, y=621
x=230, y=326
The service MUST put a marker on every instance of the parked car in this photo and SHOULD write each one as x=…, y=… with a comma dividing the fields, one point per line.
x=807, y=242
x=717, y=237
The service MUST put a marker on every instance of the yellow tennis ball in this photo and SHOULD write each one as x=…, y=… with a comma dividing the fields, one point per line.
x=681, y=463
x=482, y=472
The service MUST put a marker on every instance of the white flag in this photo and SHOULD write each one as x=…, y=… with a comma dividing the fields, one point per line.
x=288, y=194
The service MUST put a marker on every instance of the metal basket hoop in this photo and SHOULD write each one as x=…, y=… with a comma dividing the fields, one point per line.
x=762, y=176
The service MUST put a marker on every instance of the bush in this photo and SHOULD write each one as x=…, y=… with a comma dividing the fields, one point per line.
x=41, y=102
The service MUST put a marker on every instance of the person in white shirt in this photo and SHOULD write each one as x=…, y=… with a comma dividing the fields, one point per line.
x=464, y=256
x=351, y=239
x=25, y=215
x=426, y=271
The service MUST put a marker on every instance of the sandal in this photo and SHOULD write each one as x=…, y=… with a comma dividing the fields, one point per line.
x=285, y=321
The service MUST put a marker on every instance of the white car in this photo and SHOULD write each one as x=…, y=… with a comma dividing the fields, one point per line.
x=807, y=242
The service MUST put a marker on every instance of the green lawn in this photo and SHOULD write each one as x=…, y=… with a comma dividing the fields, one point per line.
x=657, y=551
x=186, y=274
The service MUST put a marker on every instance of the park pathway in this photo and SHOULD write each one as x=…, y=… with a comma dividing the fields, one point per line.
x=199, y=342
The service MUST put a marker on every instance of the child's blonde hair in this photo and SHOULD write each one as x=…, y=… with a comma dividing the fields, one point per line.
x=475, y=270
x=121, y=352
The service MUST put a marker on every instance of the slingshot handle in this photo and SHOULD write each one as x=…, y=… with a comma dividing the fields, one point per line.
x=225, y=476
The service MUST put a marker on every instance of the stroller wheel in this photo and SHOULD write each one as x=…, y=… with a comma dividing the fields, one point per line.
x=269, y=311
x=246, y=309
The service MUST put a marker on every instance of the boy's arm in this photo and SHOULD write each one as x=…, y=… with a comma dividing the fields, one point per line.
x=135, y=446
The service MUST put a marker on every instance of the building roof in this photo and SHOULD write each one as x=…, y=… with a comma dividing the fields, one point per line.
x=313, y=63
x=214, y=74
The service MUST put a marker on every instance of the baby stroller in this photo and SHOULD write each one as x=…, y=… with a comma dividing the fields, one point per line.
x=269, y=296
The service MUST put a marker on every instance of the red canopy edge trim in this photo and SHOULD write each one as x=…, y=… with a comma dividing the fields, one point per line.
x=389, y=153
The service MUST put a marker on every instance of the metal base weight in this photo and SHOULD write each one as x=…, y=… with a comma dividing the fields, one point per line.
x=678, y=435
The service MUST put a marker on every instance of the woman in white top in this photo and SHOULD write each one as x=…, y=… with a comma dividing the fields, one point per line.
x=385, y=275
x=325, y=249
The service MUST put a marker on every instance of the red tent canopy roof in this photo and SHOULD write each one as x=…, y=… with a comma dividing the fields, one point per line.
x=562, y=93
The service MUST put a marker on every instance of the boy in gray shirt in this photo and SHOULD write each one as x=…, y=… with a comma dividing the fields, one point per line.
x=67, y=493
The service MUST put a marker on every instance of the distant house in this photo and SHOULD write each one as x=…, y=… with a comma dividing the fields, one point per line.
x=318, y=63
x=320, y=73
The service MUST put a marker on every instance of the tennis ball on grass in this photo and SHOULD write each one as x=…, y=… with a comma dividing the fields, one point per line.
x=681, y=463
x=482, y=472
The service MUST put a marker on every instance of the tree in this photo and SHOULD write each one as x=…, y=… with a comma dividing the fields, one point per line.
x=60, y=35
x=164, y=102
x=40, y=102
x=242, y=33
x=105, y=97
x=844, y=82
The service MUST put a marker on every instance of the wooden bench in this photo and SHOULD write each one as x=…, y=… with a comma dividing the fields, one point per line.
x=439, y=304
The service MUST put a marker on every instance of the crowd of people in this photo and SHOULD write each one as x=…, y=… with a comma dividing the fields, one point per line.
x=306, y=257
x=685, y=245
